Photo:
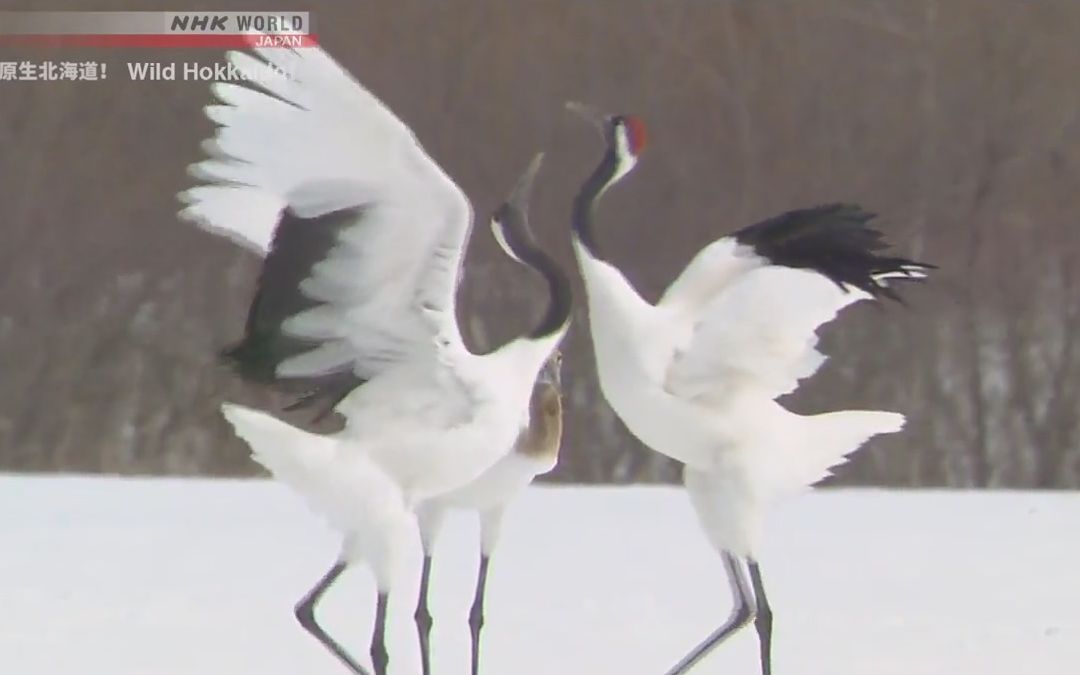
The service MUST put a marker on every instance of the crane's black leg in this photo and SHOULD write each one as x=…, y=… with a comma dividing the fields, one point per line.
x=305, y=614
x=379, y=656
x=476, y=614
x=423, y=618
x=763, y=620
x=740, y=616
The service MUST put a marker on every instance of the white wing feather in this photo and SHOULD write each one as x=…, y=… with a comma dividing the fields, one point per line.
x=711, y=269
x=319, y=142
x=759, y=333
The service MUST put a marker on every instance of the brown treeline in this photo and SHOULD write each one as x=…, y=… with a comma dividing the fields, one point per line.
x=956, y=121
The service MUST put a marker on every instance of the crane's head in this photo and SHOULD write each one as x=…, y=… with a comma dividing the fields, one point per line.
x=551, y=371
x=625, y=135
x=544, y=436
x=510, y=222
x=551, y=408
x=547, y=397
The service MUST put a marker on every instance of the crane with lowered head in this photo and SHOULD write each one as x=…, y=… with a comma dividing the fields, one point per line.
x=536, y=452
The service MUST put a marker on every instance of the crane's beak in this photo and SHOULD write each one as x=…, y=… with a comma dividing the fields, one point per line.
x=519, y=196
x=591, y=114
x=513, y=215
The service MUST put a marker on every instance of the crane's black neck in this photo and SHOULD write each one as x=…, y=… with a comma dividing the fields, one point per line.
x=559, y=299
x=586, y=199
x=521, y=244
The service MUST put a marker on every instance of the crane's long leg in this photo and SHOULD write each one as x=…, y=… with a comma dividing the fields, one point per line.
x=763, y=620
x=379, y=656
x=423, y=618
x=305, y=614
x=740, y=616
x=476, y=614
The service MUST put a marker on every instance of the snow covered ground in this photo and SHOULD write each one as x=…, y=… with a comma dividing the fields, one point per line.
x=168, y=577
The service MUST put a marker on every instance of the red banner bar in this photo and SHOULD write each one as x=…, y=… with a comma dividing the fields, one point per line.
x=166, y=41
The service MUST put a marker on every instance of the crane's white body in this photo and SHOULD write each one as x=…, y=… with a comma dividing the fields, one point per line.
x=695, y=377
x=489, y=495
x=367, y=485
x=434, y=431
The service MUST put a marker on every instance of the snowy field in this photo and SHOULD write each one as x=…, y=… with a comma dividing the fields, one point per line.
x=169, y=577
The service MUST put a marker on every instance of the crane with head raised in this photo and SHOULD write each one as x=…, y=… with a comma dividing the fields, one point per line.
x=696, y=375
x=363, y=236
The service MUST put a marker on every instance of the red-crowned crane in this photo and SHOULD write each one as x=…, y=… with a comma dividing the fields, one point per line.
x=535, y=452
x=696, y=376
x=356, y=302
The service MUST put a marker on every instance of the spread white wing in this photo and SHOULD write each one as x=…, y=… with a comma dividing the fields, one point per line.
x=759, y=333
x=754, y=300
x=363, y=232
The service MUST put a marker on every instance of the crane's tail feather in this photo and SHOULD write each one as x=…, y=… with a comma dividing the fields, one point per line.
x=347, y=488
x=341, y=484
x=294, y=456
x=833, y=437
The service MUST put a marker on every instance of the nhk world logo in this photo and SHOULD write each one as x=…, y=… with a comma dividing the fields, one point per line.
x=262, y=30
x=220, y=30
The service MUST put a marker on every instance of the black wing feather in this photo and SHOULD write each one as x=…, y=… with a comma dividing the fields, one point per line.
x=298, y=245
x=836, y=241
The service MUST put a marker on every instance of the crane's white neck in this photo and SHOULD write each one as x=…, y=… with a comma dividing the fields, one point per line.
x=625, y=159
